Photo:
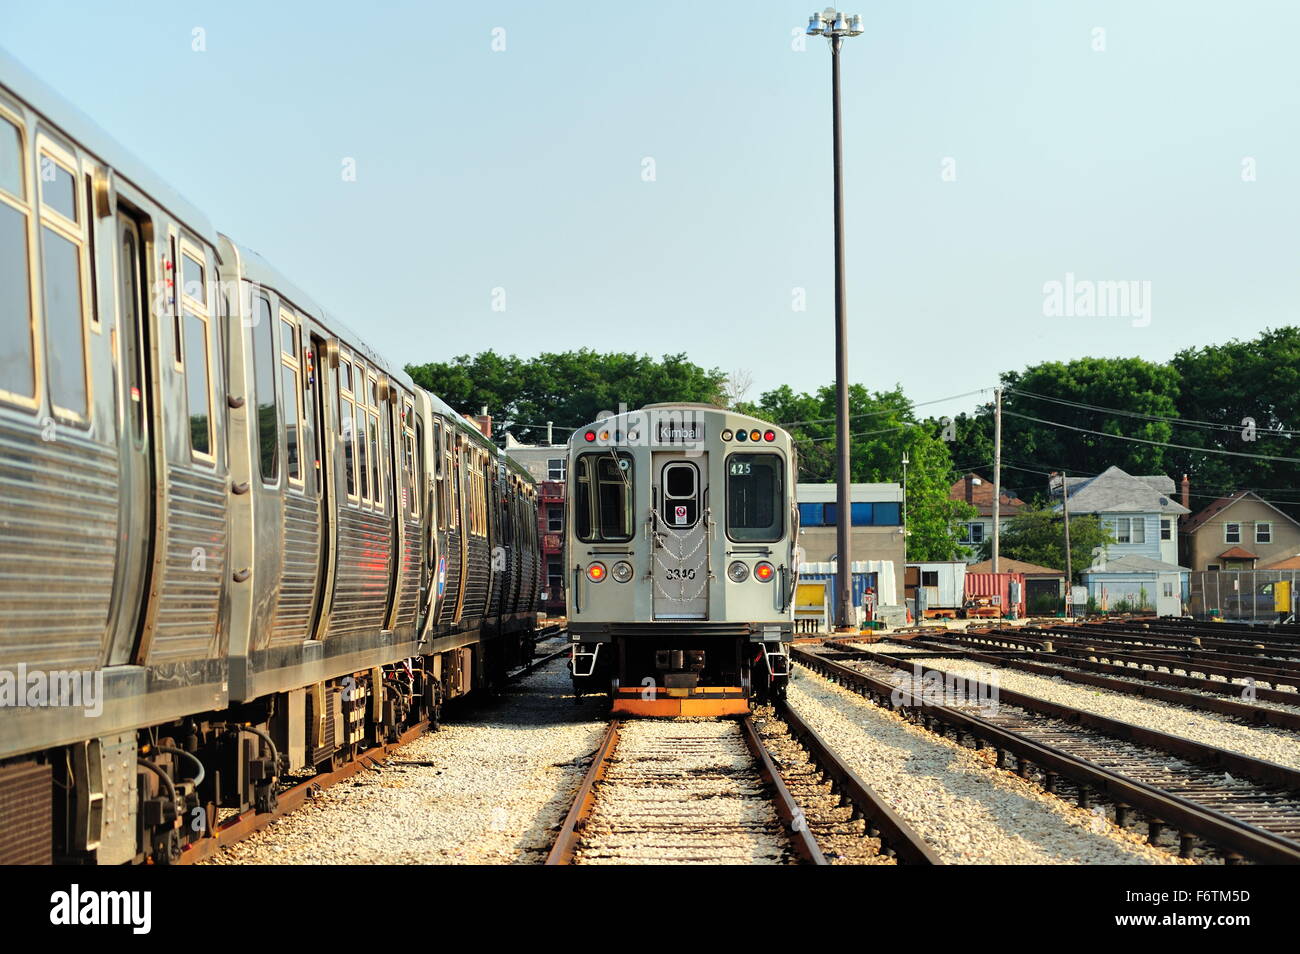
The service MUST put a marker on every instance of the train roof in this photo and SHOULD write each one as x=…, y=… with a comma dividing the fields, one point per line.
x=261, y=272
x=696, y=408
x=71, y=122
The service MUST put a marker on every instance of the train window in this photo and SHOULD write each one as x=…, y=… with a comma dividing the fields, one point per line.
x=755, y=498
x=11, y=159
x=681, y=501
x=291, y=395
x=347, y=425
x=64, y=328
x=264, y=364
x=363, y=451
x=376, y=461
x=289, y=384
x=197, y=394
x=17, y=354
x=603, y=486
x=132, y=317
x=417, y=470
x=192, y=279
x=58, y=187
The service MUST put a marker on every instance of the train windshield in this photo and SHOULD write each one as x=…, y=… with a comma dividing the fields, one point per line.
x=602, y=498
x=755, y=498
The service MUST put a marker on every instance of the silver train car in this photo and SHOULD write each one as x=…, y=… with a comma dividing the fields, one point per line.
x=234, y=541
x=680, y=540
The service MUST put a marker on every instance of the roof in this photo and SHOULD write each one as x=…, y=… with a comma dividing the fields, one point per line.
x=975, y=490
x=1198, y=520
x=1006, y=565
x=1135, y=563
x=858, y=493
x=1291, y=562
x=72, y=122
x=1114, y=491
x=1237, y=553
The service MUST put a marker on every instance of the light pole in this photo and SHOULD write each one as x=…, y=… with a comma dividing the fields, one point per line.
x=835, y=26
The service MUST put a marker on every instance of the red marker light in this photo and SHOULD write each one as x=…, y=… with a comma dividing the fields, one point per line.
x=763, y=571
x=596, y=572
x=589, y=436
x=769, y=436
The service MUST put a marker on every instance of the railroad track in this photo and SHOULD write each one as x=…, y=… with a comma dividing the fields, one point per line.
x=1134, y=681
x=1247, y=809
x=678, y=791
x=245, y=824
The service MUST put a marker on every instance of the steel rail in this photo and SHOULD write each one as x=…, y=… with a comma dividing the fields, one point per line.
x=1236, y=838
x=569, y=838
x=897, y=837
x=792, y=817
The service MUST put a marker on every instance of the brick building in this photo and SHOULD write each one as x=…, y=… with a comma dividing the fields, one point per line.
x=546, y=462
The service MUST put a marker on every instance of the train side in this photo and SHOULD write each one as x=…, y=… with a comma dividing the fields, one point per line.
x=680, y=542
x=231, y=535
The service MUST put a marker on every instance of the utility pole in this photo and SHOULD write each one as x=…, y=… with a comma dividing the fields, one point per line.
x=836, y=26
x=997, y=473
x=1065, y=509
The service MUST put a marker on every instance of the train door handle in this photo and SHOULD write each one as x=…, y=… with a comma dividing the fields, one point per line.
x=235, y=403
x=240, y=488
x=239, y=576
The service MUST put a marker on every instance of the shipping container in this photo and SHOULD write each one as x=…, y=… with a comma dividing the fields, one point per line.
x=943, y=586
x=995, y=595
x=874, y=575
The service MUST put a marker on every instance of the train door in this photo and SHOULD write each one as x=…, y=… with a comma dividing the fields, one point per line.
x=681, y=538
x=137, y=517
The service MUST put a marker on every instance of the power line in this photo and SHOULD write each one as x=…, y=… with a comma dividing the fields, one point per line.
x=913, y=404
x=1180, y=421
x=1142, y=440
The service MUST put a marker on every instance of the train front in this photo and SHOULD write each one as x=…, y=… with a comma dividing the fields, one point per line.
x=680, y=559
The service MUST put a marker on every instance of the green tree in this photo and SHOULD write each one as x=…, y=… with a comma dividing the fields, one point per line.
x=569, y=388
x=1052, y=391
x=1247, y=394
x=1038, y=536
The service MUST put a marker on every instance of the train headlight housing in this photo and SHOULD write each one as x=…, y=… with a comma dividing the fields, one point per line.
x=726, y=435
x=738, y=572
x=764, y=571
x=596, y=571
x=622, y=571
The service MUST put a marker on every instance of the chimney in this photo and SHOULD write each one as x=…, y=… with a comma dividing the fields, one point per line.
x=970, y=488
x=1187, y=492
x=482, y=421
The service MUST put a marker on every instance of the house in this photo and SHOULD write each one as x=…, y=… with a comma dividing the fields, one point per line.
x=876, y=522
x=975, y=490
x=1239, y=532
x=1140, y=511
x=1134, y=583
x=1140, y=565
x=546, y=462
x=1044, y=587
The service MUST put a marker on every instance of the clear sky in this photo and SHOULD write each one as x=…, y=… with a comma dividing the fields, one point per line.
x=1112, y=156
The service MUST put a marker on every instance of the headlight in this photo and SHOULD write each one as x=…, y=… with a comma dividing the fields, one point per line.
x=763, y=571
x=622, y=571
x=738, y=572
x=595, y=572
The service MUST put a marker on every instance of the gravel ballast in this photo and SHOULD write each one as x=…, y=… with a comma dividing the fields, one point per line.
x=969, y=811
x=489, y=788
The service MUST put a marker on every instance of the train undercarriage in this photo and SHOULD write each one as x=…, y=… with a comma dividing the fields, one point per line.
x=683, y=672
x=144, y=796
